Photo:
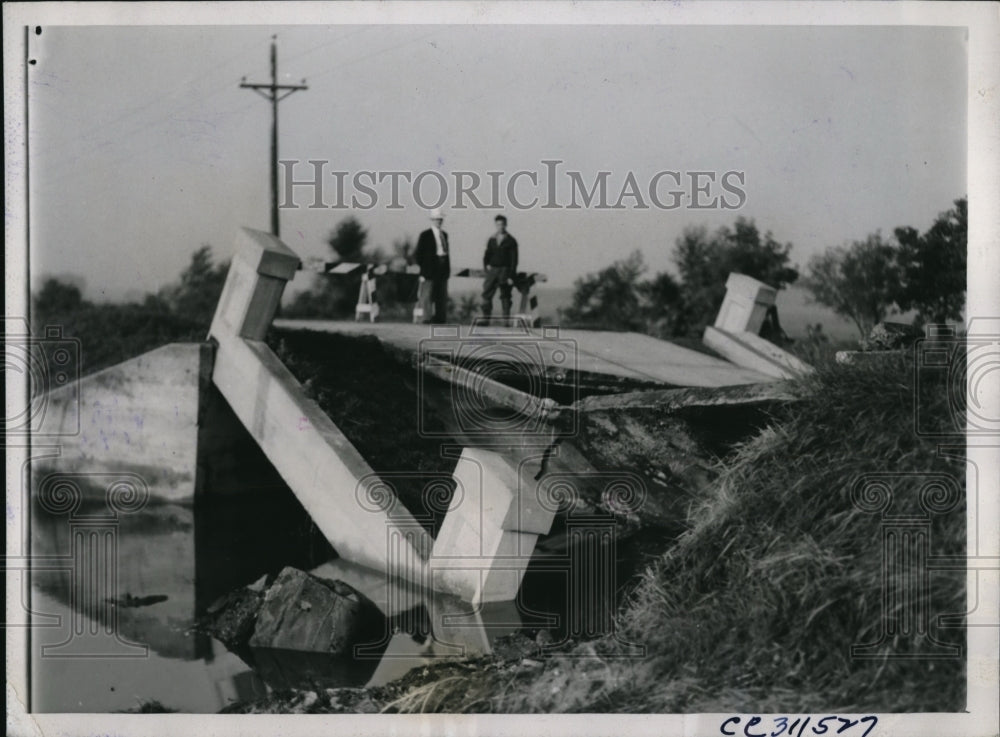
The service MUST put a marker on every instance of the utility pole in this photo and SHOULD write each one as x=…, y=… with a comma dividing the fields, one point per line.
x=271, y=92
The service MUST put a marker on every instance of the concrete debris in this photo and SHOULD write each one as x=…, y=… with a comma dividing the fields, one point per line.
x=303, y=612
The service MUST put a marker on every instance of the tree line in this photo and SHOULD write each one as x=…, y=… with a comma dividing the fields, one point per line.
x=864, y=281
x=113, y=332
x=924, y=272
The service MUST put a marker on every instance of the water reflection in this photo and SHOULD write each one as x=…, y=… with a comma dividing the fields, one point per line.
x=172, y=561
x=154, y=571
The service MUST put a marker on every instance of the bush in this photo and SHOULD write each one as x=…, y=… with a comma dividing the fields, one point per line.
x=112, y=333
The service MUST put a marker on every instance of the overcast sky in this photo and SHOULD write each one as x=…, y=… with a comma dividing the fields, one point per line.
x=143, y=146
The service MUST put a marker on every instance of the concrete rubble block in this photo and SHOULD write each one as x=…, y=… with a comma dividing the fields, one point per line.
x=888, y=336
x=306, y=613
x=231, y=619
x=746, y=304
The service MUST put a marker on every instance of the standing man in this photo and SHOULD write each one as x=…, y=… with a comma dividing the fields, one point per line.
x=432, y=256
x=500, y=264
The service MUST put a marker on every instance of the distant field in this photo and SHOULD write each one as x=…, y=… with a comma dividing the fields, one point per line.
x=794, y=310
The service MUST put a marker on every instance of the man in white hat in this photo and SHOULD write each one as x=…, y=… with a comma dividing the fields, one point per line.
x=432, y=256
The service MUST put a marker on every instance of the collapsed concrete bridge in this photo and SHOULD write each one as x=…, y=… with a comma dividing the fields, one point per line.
x=502, y=502
x=515, y=469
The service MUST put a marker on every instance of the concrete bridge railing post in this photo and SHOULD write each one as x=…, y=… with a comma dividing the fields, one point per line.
x=746, y=304
x=260, y=268
x=736, y=332
x=489, y=534
x=312, y=455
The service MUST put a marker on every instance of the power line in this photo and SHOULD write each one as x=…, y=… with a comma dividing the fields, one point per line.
x=55, y=174
x=271, y=92
x=106, y=127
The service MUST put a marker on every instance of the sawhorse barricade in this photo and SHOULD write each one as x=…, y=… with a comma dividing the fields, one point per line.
x=367, y=294
x=367, y=303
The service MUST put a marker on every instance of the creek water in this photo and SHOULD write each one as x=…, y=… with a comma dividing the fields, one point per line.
x=124, y=638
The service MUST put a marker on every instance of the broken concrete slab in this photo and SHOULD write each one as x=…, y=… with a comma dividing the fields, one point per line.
x=359, y=515
x=624, y=356
x=674, y=399
x=482, y=388
x=328, y=475
x=669, y=439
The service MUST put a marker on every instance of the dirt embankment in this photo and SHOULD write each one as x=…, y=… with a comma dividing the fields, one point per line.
x=372, y=397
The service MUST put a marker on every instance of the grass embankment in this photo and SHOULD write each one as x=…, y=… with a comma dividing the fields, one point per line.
x=780, y=572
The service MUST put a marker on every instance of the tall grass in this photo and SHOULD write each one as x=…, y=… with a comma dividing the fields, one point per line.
x=781, y=572
x=757, y=605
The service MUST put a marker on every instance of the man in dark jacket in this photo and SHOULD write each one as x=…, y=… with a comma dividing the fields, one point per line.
x=500, y=264
x=432, y=256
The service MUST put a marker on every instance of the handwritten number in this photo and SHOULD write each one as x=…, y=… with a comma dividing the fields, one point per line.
x=873, y=719
x=848, y=723
x=782, y=726
x=821, y=727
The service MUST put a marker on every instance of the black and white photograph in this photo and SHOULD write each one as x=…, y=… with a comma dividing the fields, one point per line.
x=515, y=368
